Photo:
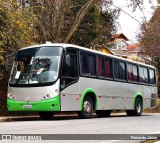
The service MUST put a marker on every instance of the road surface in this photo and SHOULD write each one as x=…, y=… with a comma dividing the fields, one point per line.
x=115, y=124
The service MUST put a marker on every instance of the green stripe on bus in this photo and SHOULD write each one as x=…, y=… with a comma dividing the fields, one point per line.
x=88, y=90
x=135, y=96
x=52, y=104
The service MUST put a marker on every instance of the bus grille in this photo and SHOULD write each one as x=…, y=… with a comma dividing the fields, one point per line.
x=153, y=100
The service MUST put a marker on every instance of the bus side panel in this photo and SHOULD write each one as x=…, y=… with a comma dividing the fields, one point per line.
x=111, y=94
x=70, y=98
x=150, y=93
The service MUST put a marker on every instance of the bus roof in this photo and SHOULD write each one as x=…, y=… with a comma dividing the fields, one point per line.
x=64, y=45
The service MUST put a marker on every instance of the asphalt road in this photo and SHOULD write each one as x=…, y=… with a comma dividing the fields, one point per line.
x=115, y=124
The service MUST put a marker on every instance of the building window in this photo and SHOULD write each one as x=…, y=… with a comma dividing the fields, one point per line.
x=123, y=47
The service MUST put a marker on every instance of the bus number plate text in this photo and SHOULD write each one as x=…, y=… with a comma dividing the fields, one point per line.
x=27, y=106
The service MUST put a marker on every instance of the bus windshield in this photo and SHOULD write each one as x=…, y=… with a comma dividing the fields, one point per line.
x=36, y=65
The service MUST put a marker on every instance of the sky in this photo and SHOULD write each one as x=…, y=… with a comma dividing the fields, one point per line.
x=129, y=26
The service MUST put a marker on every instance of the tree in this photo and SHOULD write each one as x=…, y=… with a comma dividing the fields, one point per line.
x=67, y=20
x=16, y=28
x=96, y=27
x=150, y=39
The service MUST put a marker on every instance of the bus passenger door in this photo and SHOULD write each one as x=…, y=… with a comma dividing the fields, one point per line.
x=69, y=81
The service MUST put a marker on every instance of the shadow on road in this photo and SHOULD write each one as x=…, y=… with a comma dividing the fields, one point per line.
x=64, y=117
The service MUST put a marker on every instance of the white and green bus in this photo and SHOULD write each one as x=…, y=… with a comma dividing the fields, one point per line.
x=55, y=77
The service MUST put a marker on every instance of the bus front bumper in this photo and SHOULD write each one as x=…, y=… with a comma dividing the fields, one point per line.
x=52, y=104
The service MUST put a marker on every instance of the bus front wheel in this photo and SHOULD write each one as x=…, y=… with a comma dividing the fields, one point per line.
x=46, y=115
x=137, y=108
x=87, y=108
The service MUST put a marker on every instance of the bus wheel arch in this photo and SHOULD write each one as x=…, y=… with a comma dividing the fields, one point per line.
x=137, y=106
x=88, y=99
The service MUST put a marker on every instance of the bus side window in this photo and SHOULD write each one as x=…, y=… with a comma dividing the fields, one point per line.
x=88, y=64
x=84, y=63
x=152, y=76
x=100, y=67
x=108, y=67
x=143, y=73
x=146, y=79
x=119, y=70
x=92, y=64
x=130, y=72
x=135, y=73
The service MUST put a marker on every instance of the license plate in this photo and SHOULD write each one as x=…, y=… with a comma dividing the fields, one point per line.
x=27, y=106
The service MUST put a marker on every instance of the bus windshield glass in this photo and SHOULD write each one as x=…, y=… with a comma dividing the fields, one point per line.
x=36, y=66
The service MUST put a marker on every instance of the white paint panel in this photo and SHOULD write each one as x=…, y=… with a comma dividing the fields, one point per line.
x=34, y=93
x=113, y=95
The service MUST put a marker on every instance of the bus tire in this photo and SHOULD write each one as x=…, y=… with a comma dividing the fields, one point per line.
x=46, y=115
x=87, y=108
x=137, y=108
x=103, y=113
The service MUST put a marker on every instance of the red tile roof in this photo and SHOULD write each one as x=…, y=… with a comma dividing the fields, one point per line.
x=133, y=46
x=120, y=35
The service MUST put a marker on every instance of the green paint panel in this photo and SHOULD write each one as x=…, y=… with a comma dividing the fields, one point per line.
x=83, y=95
x=52, y=104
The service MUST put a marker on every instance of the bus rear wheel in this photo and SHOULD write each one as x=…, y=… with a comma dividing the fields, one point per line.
x=46, y=115
x=87, y=108
x=103, y=113
x=137, y=108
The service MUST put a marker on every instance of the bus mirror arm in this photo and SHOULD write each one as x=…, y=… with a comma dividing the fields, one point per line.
x=6, y=65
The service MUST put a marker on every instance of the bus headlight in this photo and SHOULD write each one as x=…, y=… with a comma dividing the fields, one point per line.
x=48, y=96
x=10, y=96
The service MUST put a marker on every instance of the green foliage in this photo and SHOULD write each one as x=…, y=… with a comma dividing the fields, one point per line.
x=56, y=21
x=150, y=39
x=16, y=28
